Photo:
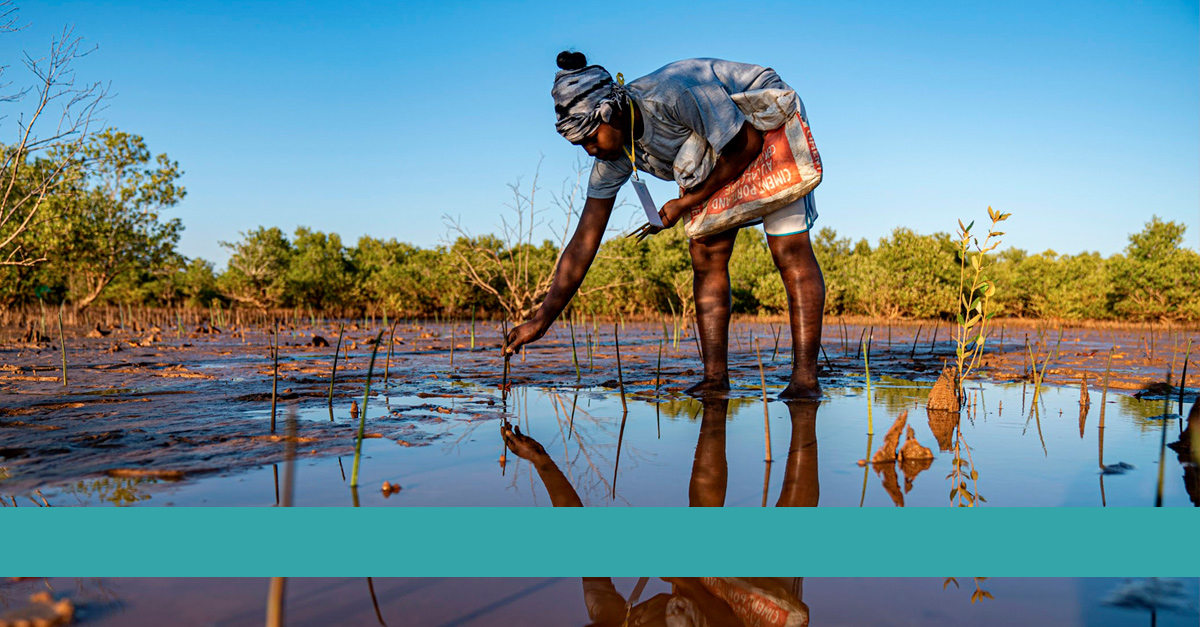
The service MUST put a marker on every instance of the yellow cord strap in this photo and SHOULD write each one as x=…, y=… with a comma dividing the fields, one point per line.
x=630, y=152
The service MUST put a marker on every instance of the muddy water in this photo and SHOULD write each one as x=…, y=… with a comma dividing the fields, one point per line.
x=558, y=602
x=187, y=422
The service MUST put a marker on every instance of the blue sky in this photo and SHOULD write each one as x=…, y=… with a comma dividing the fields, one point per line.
x=1081, y=119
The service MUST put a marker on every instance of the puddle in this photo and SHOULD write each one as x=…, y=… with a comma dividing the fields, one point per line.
x=1065, y=602
x=435, y=431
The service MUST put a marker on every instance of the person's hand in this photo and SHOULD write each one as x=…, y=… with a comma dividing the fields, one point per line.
x=521, y=335
x=524, y=446
x=670, y=214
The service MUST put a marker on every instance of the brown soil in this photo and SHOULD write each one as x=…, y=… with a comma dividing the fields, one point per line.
x=152, y=403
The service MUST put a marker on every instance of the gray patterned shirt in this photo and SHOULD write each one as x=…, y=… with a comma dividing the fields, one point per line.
x=679, y=100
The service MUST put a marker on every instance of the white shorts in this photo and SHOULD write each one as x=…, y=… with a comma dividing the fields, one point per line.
x=797, y=217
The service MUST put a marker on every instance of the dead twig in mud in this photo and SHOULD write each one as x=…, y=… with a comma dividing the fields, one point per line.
x=275, y=602
x=504, y=352
x=387, y=366
x=658, y=370
x=362, y=420
x=1104, y=396
x=777, y=333
x=1162, y=447
x=62, y=344
x=828, y=364
x=912, y=354
x=333, y=373
x=617, y=463
x=762, y=375
x=289, y=456
x=274, y=372
x=870, y=411
x=620, y=381
x=1183, y=377
x=574, y=352
x=451, y=344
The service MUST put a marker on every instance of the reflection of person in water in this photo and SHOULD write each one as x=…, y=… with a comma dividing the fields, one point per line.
x=701, y=601
x=710, y=471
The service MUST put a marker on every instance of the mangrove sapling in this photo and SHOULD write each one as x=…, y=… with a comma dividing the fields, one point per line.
x=451, y=346
x=362, y=419
x=776, y=332
x=62, y=345
x=766, y=413
x=333, y=373
x=975, y=291
x=472, y=327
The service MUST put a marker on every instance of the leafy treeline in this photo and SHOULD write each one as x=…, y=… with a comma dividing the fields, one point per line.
x=97, y=253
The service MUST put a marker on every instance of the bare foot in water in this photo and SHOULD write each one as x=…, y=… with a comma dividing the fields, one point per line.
x=798, y=391
x=709, y=387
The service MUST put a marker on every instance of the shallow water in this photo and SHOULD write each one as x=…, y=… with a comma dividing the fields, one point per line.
x=687, y=452
x=130, y=422
x=558, y=602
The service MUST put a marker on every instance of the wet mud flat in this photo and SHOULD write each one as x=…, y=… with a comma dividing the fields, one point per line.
x=183, y=417
x=565, y=601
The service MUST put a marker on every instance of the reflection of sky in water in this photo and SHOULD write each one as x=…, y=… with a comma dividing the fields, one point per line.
x=1021, y=458
x=478, y=602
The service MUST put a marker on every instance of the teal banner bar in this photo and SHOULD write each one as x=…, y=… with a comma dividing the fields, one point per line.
x=501, y=542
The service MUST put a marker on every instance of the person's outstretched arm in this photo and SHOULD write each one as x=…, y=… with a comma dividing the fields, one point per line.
x=576, y=258
x=562, y=493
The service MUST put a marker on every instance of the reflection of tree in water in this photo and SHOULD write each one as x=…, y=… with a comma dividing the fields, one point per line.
x=1146, y=414
x=690, y=408
x=118, y=491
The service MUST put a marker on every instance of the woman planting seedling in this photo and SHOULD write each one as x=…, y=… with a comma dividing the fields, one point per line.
x=735, y=138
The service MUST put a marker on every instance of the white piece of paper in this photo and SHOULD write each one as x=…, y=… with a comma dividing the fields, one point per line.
x=647, y=203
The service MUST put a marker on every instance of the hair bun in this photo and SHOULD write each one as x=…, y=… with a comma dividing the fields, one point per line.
x=568, y=60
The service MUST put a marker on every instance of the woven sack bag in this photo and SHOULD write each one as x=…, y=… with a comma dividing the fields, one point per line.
x=786, y=170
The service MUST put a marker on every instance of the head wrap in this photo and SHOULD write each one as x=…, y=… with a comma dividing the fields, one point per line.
x=583, y=99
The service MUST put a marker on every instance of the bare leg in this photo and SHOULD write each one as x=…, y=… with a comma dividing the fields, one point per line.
x=805, y=287
x=714, y=302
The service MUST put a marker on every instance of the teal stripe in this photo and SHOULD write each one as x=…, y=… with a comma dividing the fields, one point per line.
x=542, y=542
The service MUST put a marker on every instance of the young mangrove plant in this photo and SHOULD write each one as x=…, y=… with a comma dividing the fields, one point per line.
x=975, y=291
x=362, y=417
